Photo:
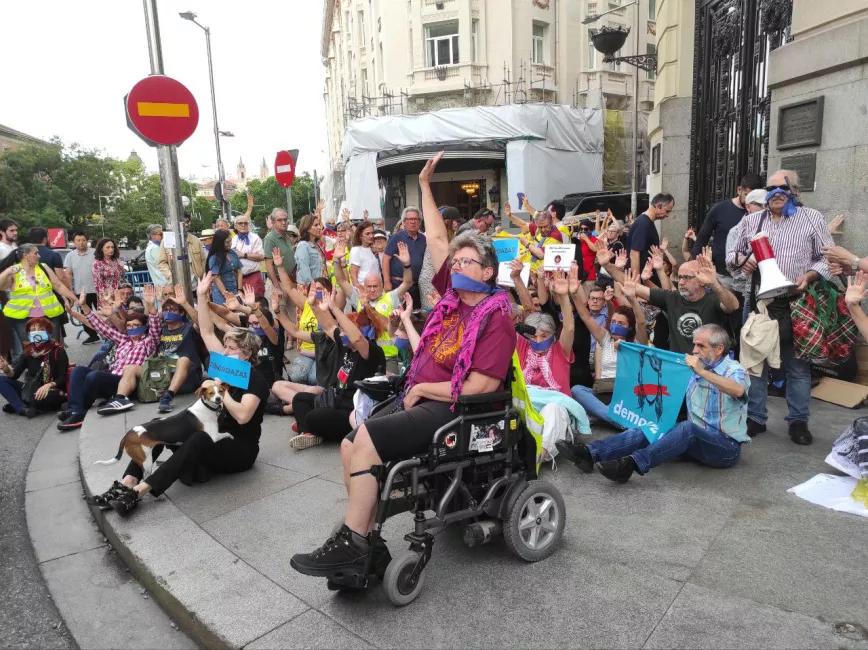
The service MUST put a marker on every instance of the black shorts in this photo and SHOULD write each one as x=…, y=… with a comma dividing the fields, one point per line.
x=407, y=433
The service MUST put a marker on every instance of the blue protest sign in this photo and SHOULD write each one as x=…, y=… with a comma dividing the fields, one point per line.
x=234, y=372
x=650, y=385
x=506, y=248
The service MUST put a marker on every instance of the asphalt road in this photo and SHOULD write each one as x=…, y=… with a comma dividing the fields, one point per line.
x=28, y=617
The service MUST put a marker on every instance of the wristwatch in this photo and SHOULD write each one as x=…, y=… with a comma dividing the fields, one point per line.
x=854, y=265
x=406, y=266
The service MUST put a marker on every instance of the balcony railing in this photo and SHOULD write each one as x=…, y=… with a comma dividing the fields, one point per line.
x=441, y=73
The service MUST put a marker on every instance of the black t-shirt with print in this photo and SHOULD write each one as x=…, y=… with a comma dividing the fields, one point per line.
x=251, y=431
x=685, y=316
x=354, y=367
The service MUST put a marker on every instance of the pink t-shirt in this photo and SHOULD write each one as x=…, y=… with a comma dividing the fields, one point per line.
x=36, y=310
x=557, y=360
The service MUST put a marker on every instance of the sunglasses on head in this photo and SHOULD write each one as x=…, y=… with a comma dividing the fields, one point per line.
x=772, y=188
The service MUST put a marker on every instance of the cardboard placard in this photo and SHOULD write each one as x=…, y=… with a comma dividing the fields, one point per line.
x=559, y=257
x=842, y=393
x=234, y=372
x=503, y=274
x=169, y=238
x=506, y=248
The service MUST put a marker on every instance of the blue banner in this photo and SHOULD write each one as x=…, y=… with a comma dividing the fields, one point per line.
x=234, y=372
x=506, y=248
x=650, y=386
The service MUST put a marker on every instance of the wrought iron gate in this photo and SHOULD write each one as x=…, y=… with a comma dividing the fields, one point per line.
x=730, y=122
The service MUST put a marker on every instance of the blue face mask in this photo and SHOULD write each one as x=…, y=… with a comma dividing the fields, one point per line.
x=461, y=282
x=616, y=329
x=402, y=344
x=157, y=240
x=258, y=331
x=542, y=346
x=136, y=331
x=369, y=332
x=345, y=340
x=173, y=317
x=789, y=207
x=37, y=336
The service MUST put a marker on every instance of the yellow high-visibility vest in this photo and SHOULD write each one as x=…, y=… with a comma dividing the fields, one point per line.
x=23, y=295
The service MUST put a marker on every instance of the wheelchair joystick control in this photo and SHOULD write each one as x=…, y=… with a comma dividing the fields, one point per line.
x=481, y=532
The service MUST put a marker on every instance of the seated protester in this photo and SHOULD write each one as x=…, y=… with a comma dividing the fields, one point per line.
x=375, y=300
x=545, y=362
x=404, y=327
x=302, y=370
x=43, y=365
x=624, y=324
x=542, y=232
x=326, y=416
x=715, y=428
x=179, y=341
x=224, y=266
x=691, y=305
x=132, y=347
x=271, y=339
x=121, y=304
x=199, y=457
x=465, y=349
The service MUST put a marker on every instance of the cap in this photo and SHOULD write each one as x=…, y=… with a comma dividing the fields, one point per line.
x=208, y=232
x=756, y=196
x=587, y=223
x=292, y=230
x=380, y=234
x=124, y=285
x=449, y=212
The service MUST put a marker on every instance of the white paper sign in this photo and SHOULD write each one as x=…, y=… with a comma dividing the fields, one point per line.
x=503, y=274
x=168, y=239
x=831, y=492
x=559, y=257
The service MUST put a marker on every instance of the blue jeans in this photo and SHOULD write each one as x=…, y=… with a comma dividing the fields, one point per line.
x=85, y=385
x=592, y=404
x=302, y=370
x=798, y=372
x=707, y=447
x=11, y=390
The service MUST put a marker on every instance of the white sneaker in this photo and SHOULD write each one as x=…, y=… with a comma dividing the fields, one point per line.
x=304, y=440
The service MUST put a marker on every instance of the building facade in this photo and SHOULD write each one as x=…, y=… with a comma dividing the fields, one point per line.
x=387, y=57
x=798, y=101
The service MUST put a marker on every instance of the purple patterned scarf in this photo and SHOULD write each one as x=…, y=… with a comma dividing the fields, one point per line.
x=478, y=319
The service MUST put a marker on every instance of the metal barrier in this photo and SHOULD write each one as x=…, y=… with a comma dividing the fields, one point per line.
x=137, y=280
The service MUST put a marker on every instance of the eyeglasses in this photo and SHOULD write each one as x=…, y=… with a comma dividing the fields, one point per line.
x=242, y=223
x=279, y=219
x=772, y=188
x=464, y=262
x=685, y=277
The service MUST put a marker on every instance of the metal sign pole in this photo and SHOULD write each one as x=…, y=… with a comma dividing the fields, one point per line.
x=168, y=161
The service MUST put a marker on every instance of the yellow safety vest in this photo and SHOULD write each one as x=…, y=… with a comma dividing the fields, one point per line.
x=307, y=322
x=383, y=306
x=521, y=401
x=23, y=294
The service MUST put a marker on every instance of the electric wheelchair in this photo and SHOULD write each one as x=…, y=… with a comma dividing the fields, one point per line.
x=480, y=470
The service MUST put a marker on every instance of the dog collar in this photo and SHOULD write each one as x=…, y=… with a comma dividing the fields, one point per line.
x=209, y=407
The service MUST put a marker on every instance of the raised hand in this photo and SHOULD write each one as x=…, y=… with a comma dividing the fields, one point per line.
x=203, y=289
x=277, y=257
x=249, y=202
x=706, y=273
x=560, y=284
x=274, y=302
x=574, y=278
x=180, y=297
x=604, y=255
x=403, y=254
x=149, y=295
x=340, y=248
x=608, y=294
x=856, y=288
x=232, y=302
x=433, y=297
x=664, y=244
x=835, y=224
x=648, y=271
x=406, y=310
x=631, y=282
x=690, y=234
x=428, y=170
x=515, y=268
x=656, y=258
x=507, y=210
x=706, y=252
x=365, y=214
x=249, y=296
x=621, y=259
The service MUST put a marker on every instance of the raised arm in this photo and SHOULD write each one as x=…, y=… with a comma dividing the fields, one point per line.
x=561, y=286
x=206, y=326
x=406, y=315
x=515, y=268
x=580, y=300
x=435, y=228
x=407, y=277
x=707, y=275
x=340, y=270
x=629, y=288
x=251, y=301
x=856, y=290
x=514, y=219
x=287, y=286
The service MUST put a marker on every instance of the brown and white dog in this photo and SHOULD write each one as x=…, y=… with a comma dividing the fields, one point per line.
x=202, y=415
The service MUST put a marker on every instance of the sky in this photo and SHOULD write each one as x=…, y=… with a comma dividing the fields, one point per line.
x=68, y=64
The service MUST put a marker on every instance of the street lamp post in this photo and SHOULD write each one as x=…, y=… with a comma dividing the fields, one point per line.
x=609, y=41
x=221, y=174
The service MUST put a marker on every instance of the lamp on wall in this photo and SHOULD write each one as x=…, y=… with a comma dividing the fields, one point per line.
x=494, y=194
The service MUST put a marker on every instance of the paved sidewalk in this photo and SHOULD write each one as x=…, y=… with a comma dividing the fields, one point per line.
x=683, y=557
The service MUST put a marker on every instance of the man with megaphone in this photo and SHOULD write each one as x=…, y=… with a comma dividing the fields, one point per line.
x=781, y=248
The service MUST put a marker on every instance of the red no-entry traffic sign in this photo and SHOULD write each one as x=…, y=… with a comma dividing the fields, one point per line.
x=161, y=110
x=284, y=167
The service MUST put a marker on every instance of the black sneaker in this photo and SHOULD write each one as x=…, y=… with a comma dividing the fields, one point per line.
x=62, y=415
x=8, y=408
x=578, y=453
x=619, y=470
x=119, y=404
x=799, y=433
x=165, y=403
x=125, y=501
x=382, y=557
x=30, y=412
x=90, y=340
x=754, y=428
x=101, y=501
x=343, y=554
x=71, y=422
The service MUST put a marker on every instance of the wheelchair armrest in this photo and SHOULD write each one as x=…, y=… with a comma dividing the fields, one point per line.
x=485, y=398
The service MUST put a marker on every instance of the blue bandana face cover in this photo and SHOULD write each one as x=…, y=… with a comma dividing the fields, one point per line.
x=461, y=282
x=258, y=331
x=136, y=331
x=789, y=207
x=173, y=317
x=616, y=329
x=542, y=346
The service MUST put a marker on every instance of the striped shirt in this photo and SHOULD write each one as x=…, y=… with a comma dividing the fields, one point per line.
x=128, y=351
x=797, y=241
x=712, y=409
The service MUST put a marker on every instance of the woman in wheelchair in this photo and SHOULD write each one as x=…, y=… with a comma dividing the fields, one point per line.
x=465, y=349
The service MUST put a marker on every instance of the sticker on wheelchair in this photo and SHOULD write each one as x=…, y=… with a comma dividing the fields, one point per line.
x=485, y=437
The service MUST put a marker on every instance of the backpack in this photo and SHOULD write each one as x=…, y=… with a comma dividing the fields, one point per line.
x=155, y=379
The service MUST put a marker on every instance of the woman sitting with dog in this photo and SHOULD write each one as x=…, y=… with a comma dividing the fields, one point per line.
x=199, y=457
x=43, y=366
x=465, y=349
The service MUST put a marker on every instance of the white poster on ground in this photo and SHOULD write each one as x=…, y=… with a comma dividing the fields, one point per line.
x=831, y=492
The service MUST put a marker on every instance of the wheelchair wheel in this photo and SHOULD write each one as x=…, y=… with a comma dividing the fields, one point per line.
x=535, y=523
x=397, y=579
